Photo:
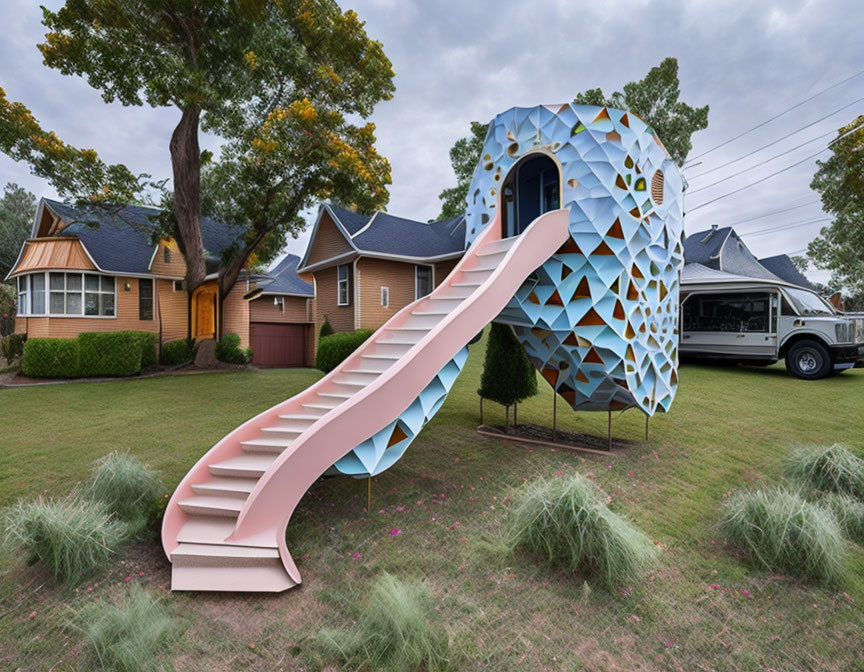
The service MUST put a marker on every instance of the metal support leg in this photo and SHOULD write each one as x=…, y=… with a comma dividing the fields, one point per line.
x=369, y=494
x=554, y=415
x=610, y=430
x=647, y=417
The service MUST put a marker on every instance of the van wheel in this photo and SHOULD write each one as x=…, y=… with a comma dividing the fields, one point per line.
x=808, y=360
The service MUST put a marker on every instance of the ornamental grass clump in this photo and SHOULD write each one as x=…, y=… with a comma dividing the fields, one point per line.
x=566, y=522
x=781, y=531
x=128, y=488
x=126, y=636
x=71, y=537
x=827, y=469
x=397, y=629
x=849, y=513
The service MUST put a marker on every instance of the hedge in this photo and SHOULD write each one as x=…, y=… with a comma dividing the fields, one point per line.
x=50, y=358
x=228, y=350
x=177, y=352
x=110, y=353
x=334, y=349
x=147, y=342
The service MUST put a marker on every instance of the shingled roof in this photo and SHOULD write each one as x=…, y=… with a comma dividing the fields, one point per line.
x=784, y=268
x=723, y=250
x=283, y=279
x=119, y=240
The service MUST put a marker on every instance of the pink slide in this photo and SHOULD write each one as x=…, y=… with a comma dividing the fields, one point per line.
x=224, y=528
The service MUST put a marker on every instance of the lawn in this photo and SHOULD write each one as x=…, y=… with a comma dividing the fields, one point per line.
x=729, y=428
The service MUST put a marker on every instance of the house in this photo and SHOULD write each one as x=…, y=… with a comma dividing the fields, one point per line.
x=85, y=270
x=365, y=268
x=723, y=250
x=784, y=268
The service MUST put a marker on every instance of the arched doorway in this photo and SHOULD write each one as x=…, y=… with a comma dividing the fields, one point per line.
x=531, y=188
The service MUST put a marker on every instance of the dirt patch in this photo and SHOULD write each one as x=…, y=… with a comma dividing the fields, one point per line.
x=567, y=440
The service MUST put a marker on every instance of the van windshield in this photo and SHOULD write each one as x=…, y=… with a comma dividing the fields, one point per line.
x=809, y=303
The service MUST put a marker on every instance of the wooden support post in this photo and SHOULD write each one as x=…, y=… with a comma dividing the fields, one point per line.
x=647, y=417
x=554, y=415
x=369, y=494
x=610, y=430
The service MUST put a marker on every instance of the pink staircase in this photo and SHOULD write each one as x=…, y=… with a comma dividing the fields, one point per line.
x=224, y=528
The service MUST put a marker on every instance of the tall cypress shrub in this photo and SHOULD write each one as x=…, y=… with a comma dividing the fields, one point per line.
x=508, y=375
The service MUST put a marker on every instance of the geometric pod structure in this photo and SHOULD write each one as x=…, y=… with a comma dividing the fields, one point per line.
x=573, y=236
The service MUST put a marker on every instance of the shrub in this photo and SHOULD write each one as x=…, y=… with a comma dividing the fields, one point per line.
x=109, y=353
x=228, y=350
x=334, y=349
x=147, y=343
x=326, y=329
x=129, y=489
x=396, y=630
x=508, y=375
x=71, y=537
x=127, y=636
x=177, y=352
x=12, y=347
x=781, y=531
x=827, y=469
x=849, y=513
x=50, y=358
x=565, y=521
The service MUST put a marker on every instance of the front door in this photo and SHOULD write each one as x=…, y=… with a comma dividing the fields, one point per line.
x=731, y=324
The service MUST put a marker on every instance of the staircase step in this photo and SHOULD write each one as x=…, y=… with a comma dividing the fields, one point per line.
x=269, y=444
x=220, y=555
x=280, y=429
x=322, y=407
x=248, y=466
x=362, y=372
x=212, y=505
x=206, y=530
x=308, y=418
x=268, y=579
x=335, y=395
x=226, y=486
x=349, y=383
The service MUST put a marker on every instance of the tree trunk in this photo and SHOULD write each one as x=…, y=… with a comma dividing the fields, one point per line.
x=186, y=164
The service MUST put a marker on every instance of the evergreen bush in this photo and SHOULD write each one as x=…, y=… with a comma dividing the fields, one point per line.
x=179, y=352
x=326, y=329
x=12, y=347
x=335, y=349
x=508, y=375
x=50, y=358
x=109, y=353
x=228, y=350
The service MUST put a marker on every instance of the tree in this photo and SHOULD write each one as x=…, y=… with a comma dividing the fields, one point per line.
x=17, y=210
x=274, y=80
x=654, y=99
x=840, y=181
x=464, y=156
x=508, y=375
x=801, y=263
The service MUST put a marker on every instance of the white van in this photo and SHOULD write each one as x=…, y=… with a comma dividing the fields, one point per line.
x=756, y=321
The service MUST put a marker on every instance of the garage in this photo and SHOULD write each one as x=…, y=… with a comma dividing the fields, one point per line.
x=278, y=345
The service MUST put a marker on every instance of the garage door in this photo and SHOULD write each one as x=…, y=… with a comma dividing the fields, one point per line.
x=278, y=345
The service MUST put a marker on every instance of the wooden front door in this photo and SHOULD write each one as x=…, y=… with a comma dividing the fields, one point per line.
x=278, y=345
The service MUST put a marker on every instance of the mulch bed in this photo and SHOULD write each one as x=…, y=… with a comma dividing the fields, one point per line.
x=12, y=379
x=535, y=434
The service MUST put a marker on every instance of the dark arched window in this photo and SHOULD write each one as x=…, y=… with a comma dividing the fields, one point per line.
x=532, y=187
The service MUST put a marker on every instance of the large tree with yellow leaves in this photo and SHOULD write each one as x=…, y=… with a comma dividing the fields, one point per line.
x=280, y=81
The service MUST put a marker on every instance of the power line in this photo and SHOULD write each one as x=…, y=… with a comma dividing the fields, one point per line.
x=768, y=214
x=782, y=170
x=777, y=116
x=784, y=227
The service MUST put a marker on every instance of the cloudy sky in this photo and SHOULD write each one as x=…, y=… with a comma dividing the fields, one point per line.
x=463, y=60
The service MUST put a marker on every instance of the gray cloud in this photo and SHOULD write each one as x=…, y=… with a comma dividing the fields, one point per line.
x=458, y=61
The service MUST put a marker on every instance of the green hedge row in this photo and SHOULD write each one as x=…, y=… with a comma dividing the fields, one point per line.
x=178, y=352
x=334, y=349
x=92, y=354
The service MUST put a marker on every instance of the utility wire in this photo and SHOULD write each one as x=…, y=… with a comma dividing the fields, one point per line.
x=768, y=214
x=777, y=116
x=782, y=170
x=784, y=227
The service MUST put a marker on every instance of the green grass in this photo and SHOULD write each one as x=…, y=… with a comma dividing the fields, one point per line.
x=565, y=521
x=126, y=636
x=71, y=537
x=781, y=531
x=397, y=629
x=729, y=429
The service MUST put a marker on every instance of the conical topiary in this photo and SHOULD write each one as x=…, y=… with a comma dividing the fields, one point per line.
x=326, y=328
x=508, y=376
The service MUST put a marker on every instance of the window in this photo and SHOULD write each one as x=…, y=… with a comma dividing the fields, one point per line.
x=166, y=254
x=22, y=294
x=343, y=285
x=385, y=297
x=178, y=285
x=422, y=281
x=37, y=294
x=145, y=299
x=809, y=304
x=728, y=313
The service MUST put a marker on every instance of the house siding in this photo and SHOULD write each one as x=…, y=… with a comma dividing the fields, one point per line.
x=326, y=302
x=175, y=267
x=173, y=310
x=443, y=269
x=296, y=310
x=235, y=314
x=373, y=274
x=328, y=242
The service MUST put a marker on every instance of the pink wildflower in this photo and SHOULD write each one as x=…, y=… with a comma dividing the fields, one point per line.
x=454, y=525
x=140, y=573
x=559, y=473
x=395, y=531
x=356, y=556
x=746, y=594
x=714, y=586
x=127, y=579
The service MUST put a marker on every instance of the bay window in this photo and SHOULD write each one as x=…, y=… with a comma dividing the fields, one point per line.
x=75, y=294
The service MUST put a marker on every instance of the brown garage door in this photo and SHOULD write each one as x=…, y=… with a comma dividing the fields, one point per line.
x=278, y=345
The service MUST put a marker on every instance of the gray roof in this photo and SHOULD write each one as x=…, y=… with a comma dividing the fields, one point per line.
x=704, y=247
x=351, y=221
x=784, y=268
x=388, y=234
x=283, y=279
x=722, y=249
x=119, y=240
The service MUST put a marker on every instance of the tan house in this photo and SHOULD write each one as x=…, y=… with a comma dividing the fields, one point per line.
x=99, y=270
x=365, y=268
